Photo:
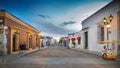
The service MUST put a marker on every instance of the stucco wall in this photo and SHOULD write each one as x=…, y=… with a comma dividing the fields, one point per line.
x=91, y=22
x=23, y=32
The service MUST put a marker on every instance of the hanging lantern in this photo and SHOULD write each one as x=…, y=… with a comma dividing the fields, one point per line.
x=104, y=21
x=110, y=18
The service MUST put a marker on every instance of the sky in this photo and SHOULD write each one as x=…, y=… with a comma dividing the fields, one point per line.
x=53, y=17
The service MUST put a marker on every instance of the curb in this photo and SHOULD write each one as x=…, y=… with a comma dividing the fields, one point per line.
x=35, y=50
x=7, y=59
x=87, y=51
x=92, y=52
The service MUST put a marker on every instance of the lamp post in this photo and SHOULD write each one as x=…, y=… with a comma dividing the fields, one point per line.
x=107, y=26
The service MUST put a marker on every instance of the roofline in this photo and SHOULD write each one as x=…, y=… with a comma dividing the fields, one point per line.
x=19, y=19
x=100, y=10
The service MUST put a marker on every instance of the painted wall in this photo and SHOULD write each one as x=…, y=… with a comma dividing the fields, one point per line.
x=93, y=22
x=13, y=25
x=76, y=35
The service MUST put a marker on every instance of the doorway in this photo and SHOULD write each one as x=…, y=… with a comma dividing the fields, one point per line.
x=30, y=41
x=86, y=40
x=15, y=43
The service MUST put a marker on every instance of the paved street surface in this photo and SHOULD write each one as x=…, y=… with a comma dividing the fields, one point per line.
x=60, y=57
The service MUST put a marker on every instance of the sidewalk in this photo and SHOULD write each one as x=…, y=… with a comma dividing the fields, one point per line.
x=14, y=56
x=84, y=50
x=95, y=53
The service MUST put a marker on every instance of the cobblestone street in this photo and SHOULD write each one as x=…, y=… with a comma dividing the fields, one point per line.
x=60, y=57
x=59, y=33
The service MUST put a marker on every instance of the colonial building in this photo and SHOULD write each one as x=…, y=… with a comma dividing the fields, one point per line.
x=102, y=27
x=18, y=32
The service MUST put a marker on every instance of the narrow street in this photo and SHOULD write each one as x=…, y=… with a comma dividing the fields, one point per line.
x=60, y=57
x=59, y=33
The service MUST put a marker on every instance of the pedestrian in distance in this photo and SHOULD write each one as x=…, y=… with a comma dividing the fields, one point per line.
x=65, y=43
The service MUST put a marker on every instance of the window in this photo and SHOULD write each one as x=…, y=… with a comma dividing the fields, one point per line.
x=102, y=34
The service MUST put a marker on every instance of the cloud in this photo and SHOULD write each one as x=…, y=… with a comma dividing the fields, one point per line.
x=44, y=16
x=67, y=23
x=75, y=27
x=51, y=29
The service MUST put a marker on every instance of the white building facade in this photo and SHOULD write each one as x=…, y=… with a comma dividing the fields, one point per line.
x=75, y=38
x=94, y=31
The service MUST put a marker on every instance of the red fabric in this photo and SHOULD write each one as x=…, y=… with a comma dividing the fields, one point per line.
x=78, y=38
x=73, y=39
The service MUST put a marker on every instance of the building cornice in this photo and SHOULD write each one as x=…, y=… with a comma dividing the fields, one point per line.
x=17, y=20
x=109, y=5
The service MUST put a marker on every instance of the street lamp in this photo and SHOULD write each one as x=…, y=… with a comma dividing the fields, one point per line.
x=107, y=25
x=104, y=21
x=39, y=34
x=110, y=17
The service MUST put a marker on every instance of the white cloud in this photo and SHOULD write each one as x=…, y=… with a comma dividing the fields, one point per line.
x=57, y=38
x=80, y=13
x=75, y=27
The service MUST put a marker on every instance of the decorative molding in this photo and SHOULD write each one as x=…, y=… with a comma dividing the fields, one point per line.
x=13, y=27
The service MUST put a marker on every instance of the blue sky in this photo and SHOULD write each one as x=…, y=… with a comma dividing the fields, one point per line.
x=53, y=17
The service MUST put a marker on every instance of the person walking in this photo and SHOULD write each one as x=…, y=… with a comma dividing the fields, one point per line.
x=65, y=43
